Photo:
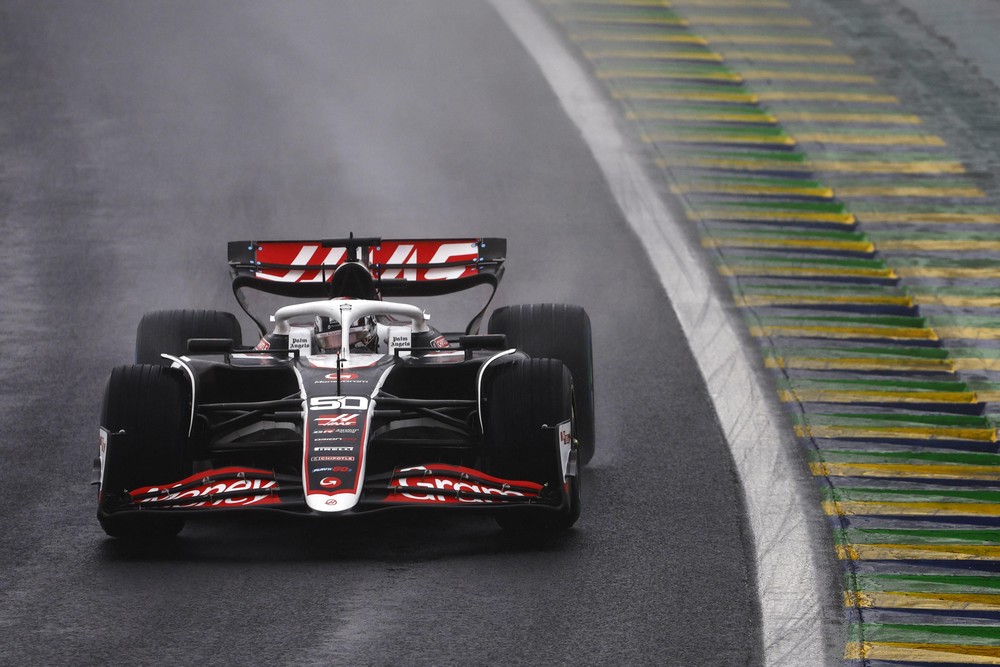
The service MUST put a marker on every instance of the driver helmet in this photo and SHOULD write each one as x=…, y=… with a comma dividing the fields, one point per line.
x=362, y=334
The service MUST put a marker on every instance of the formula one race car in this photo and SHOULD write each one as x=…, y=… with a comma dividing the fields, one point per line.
x=351, y=402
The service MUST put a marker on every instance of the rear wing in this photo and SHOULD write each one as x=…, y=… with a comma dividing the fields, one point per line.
x=399, y=267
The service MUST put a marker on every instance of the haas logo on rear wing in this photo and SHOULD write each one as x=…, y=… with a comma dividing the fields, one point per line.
x=414, y=260
x=371, y=268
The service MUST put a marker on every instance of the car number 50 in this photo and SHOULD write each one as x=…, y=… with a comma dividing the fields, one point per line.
x=359, y=403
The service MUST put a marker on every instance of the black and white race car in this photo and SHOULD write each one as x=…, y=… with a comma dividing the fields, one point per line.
x=351, y=402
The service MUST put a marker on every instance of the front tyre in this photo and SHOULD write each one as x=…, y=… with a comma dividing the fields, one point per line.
x=146, y=408
x=526, y=402
x=556, y=331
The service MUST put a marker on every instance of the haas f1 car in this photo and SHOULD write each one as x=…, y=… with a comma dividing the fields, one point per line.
x=351, y=401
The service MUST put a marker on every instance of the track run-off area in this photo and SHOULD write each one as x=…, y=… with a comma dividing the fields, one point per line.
x=860, y=244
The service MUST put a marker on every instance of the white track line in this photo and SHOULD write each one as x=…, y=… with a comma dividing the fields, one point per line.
x=789, y=586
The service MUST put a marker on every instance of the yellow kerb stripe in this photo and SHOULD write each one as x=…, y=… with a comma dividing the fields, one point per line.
x=870, y=139
x=771, y=56
x=728, y=77
x=717, y=116
x=771, y=270
x=711, y=138
x=604, y=36
x=905, y=470
x=754, y=300
x=966, y=654
x=941, y=218
x=918, y=552
x=869, y=166
x=814, y=244
x=875, y=166
x=785, y=22
x=767, y=4
x=909, y=191
x=969, y=333
x=658, y=55
x=827, y=117
x=975, y=364
x=907, y=432
x=723, y=38
x=888, y=333
x=682, y=96
x=754, y=214
x=988, y=396
x=864, y=363
x=862, y=508
x=945, y=245
x=908, y=600
x=583, y=17
x=825, y=77
x=824, y=96
x=869, y=396
x=948, y=272
x=762, y=190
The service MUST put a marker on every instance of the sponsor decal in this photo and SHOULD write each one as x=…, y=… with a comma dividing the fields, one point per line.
x=264, y=344
x=329, y=482
x=336, y=427
x=249, y=491
x=298, y=254
x=327, y=421
x=358, y=360
x=398, y=337
x=344, y=376
x=102, y=444
x=421, y=477
x=564, y=436
x=426, y=252
x=308, y=258
x=300, y=338
x=440, y=342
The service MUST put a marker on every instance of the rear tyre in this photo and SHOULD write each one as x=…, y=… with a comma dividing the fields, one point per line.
x=168, y=331
x=556, y=331
x=148, y=407
x=524, y=396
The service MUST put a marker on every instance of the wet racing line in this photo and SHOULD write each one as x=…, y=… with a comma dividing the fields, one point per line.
x=860, y=251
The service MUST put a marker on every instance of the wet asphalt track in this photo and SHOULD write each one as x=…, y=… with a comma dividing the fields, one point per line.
x=134, y=142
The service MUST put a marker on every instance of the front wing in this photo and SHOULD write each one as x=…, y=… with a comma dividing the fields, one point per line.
x=432, y=485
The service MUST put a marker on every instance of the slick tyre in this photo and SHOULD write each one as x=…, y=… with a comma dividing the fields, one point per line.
x=556, y=331
x=168, y=331
x=147, y=408
x=526, y=400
